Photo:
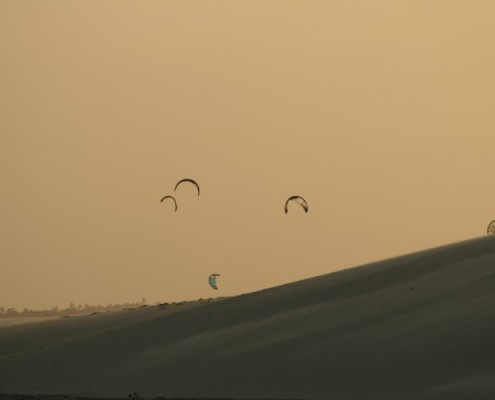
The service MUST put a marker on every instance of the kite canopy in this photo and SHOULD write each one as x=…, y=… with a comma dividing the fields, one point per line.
x=212, y=280
x=187, y=180
x=170, y=197
x=491, y=228
x=299, y=200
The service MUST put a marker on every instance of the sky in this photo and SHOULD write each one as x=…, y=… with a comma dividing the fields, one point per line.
x=379, y=113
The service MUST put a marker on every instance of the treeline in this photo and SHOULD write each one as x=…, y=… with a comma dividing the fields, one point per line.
x=72, y=309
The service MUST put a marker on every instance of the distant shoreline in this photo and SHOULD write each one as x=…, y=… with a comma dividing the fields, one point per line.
x=13, y=321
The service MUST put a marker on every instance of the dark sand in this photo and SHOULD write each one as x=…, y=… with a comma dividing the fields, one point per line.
x=421, y=326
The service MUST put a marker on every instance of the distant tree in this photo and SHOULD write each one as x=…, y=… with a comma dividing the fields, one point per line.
x=12, y=311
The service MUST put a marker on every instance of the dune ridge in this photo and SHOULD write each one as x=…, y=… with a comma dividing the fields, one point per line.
x=419, y=326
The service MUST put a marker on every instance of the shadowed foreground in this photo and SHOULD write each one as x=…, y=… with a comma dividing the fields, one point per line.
x=64, y=397
x=421, y=326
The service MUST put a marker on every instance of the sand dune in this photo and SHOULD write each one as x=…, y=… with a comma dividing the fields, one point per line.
x=6, y=322
x=421, y=326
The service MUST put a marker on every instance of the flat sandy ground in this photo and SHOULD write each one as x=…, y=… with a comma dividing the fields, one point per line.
x=421, y=326
x=6, y=322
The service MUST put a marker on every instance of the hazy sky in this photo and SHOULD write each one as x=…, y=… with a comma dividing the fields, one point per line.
x=380, y=113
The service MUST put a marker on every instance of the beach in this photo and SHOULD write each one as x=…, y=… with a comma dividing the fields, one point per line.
x=418, y=326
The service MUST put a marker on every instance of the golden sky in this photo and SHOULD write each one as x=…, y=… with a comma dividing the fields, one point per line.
x=380, y=113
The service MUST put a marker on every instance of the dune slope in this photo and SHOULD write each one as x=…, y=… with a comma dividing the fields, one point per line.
x=420, y=326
